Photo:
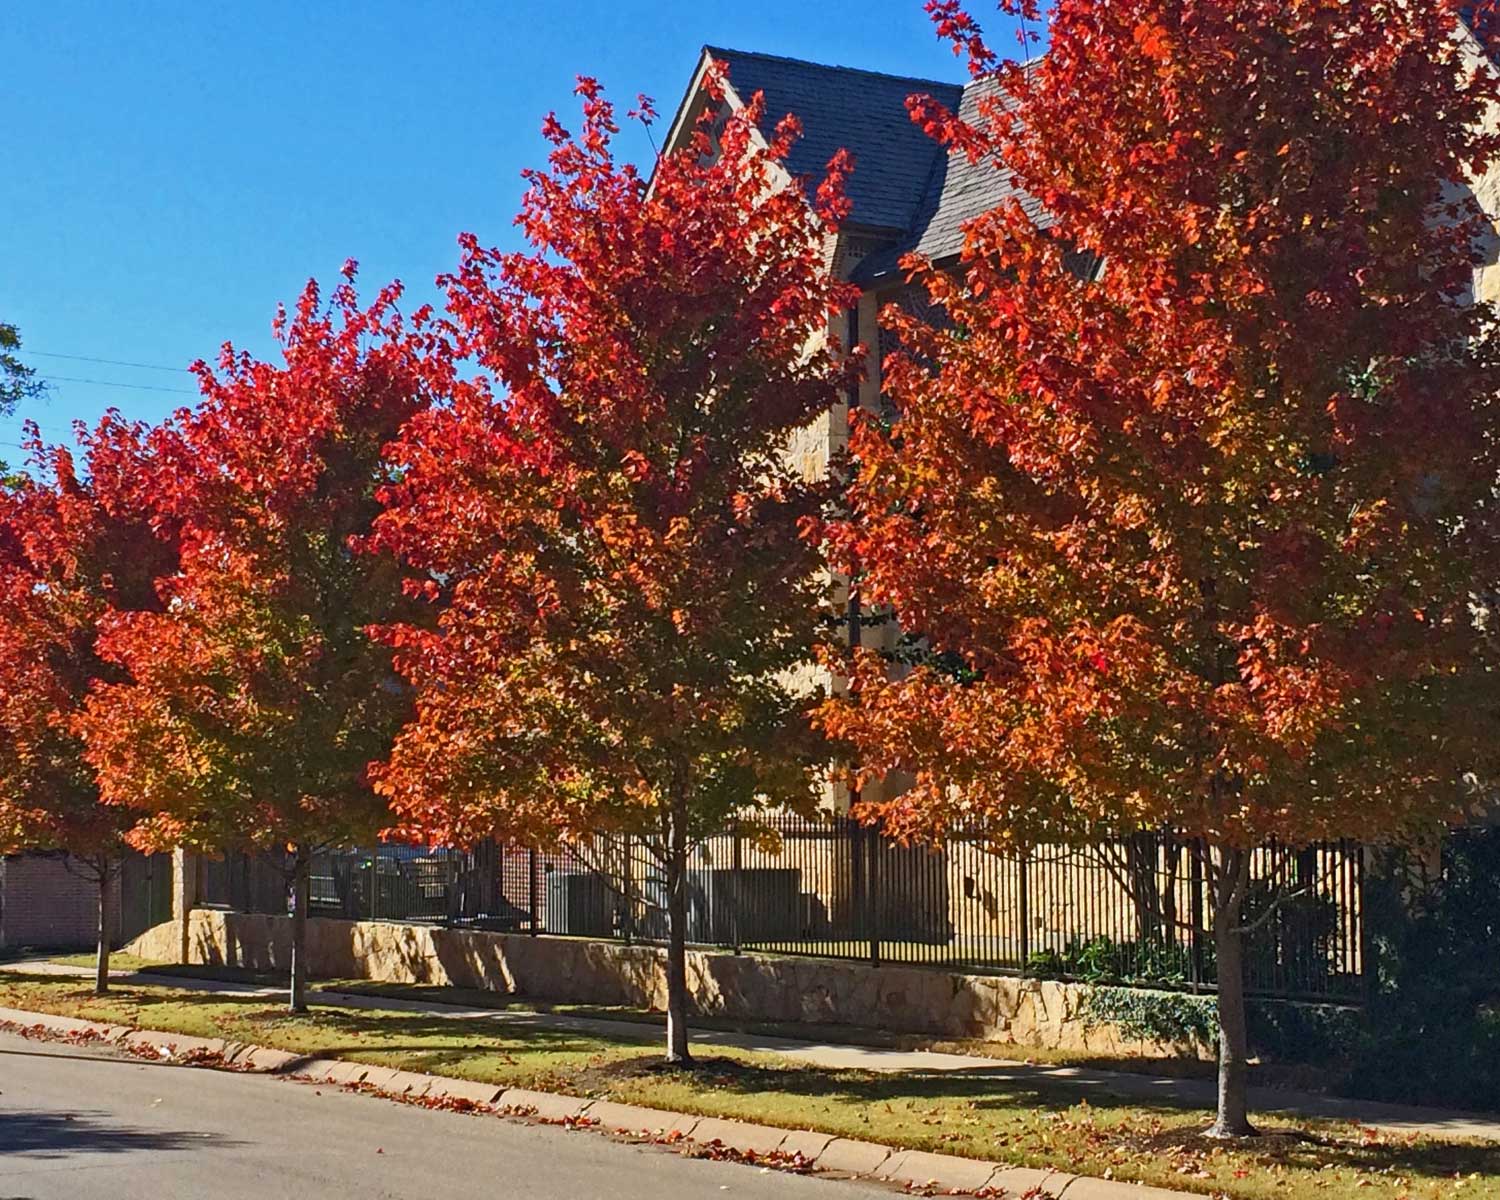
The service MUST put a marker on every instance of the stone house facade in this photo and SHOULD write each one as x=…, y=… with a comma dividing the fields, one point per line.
x=908, y=194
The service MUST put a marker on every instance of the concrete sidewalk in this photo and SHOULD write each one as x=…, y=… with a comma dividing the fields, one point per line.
x=1151, y=1089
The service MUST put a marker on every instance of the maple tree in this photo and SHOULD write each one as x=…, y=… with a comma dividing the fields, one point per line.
x=1193, y=540
x=254, y=701
x=70, y=554
x=605, y=511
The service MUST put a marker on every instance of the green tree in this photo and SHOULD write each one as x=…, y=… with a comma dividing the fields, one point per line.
x=17, y=381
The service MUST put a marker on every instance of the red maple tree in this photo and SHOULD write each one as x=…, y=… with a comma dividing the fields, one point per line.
x=70, y=554
x=605, y=510
x=1192, y=540
x=253, y=700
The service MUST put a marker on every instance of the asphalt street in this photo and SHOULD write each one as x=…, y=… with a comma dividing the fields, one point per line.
x=79, y=1122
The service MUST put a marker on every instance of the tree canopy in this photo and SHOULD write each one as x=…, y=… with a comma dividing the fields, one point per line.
x=604, y=510
x=1194, y=539
x=253, y=701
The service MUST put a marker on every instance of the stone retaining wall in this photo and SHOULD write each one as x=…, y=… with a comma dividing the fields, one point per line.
x=1026, y=1012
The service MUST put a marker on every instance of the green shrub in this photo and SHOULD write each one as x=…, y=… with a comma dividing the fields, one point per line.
x=1431, y=1029
x=1280, y=1030
x=1297, y=947
x=1103, y=960
x=1174, y=1017
x=1288, y=1032
x=1121, y=973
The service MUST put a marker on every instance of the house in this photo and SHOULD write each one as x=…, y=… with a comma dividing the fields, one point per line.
x=908, y=193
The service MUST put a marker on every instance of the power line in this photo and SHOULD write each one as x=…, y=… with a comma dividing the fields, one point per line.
x=43, y=425
x=140, y=387
x=112, y=362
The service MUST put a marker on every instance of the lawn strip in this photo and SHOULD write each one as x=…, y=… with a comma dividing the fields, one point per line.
x=1037, y=1122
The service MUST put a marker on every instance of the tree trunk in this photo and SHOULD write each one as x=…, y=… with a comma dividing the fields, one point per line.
x=106, y=920
x=677, y=990
x=1140, y=855
x=1233, y=1116
x=301, y=892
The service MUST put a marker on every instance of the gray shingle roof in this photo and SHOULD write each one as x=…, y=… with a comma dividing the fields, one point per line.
x=957, y=191
x=903, y=180
x=861, y=111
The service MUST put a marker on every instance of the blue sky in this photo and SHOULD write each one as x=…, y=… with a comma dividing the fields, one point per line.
x=171, y=171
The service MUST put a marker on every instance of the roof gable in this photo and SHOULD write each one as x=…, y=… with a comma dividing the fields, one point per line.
x=863, y=112
x=957, y=191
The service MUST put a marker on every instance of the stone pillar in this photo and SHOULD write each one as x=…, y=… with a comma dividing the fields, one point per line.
x=184, y=896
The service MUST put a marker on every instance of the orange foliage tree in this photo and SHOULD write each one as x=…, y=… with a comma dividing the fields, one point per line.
x=605, y=512
x=70, y=555
x=1193, y=540
x=254, y=701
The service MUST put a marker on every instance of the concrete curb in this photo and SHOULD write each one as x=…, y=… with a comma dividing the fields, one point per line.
x=916, y=1170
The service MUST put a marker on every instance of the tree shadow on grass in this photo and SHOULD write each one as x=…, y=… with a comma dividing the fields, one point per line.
x=1144, y=1129
x=211, y=973
x=36, y=1134
x=438, y=1044
x=1371, y=1155
x=420, y=1040
x=1145, y=1123
x=427, y=993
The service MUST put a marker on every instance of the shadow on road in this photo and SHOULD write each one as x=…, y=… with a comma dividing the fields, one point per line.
x=57, y=1134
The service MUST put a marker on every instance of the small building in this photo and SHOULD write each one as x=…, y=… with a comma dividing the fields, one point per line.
x=48, y=902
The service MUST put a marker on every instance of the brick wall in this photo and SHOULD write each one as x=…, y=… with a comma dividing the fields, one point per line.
x=42, y=903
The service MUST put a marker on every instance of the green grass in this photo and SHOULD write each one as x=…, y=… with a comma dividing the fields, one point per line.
x=118, y=961
x=1027, y=1120
x=1261, y=1074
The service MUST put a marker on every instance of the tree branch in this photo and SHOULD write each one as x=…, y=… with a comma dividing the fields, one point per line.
x=1120, y=871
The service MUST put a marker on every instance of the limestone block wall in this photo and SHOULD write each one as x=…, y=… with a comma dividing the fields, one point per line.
x=1025, y=1012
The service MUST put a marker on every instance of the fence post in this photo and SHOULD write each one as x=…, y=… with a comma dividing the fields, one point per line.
x=532, y=889
x=736, y=890
x=872, y=890
x=1361, y=860
x=627, y=917
x=1023, y=909
x=1196, y=933
x=374, y=882
x=852, y=839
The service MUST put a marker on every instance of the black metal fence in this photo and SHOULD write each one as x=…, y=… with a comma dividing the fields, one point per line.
x=145, y=892
x=1132, y=912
